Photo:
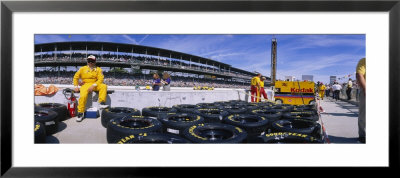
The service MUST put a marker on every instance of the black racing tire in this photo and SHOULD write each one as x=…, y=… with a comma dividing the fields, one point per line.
x=234, y=109
x=318, y=132
x=212, y=115
x=60, y=109
x=186, y=108
x=288, y=137
x=287, y=106
x=48, y=118
x=157, y=111
x=251, y=123
x=208, y=105
x=278, y=101
x=282, y=107
x=121, y=127
x=40, y=133
x=303, y=115
x=215, y=133
x=251, y=106
x=113, y=112
x=269, y=103
x=176, y=123
x=271, y=115
x=265, y=105
x=238, y=102
x=305, y=108
x=309, y=106
x=222, y=103
x=296, y=126
x=153, y=138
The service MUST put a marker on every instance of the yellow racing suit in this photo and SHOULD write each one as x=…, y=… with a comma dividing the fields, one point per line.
x=255, y=90
x=321, y=91
x=90, y=77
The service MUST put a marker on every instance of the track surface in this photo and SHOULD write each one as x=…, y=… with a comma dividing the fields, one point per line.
x=340, y=120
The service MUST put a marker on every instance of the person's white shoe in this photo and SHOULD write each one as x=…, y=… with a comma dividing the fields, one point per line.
x=103, y=105
x=79, y=117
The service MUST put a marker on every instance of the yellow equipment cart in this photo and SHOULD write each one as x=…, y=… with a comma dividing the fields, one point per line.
x=294, y=92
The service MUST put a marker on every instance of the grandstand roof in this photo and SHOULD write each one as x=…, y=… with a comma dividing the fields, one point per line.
x=125, y=65
x=129, y=48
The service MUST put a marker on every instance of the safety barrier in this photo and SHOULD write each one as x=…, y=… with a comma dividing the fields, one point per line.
x=129, y=97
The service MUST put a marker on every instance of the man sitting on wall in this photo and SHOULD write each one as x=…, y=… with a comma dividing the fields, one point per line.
x=92, y=78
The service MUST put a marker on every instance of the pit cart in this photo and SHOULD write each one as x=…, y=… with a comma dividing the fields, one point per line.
x=294, y=92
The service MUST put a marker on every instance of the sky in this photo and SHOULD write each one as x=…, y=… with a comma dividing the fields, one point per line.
x=318, y=55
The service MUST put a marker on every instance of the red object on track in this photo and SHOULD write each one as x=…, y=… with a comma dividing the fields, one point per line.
x=71, y=101
x=72, y=106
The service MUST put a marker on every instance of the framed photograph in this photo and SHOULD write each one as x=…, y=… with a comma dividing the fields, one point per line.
x=37, y=34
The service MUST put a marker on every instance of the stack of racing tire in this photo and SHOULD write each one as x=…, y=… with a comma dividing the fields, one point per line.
x=232, y=121
x=47, y=119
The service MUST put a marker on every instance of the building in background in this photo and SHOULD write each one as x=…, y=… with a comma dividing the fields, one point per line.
x=332, y=79
x=307, y=77
x=290, y=78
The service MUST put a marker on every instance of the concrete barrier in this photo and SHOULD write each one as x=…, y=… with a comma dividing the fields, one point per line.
x=138, y=99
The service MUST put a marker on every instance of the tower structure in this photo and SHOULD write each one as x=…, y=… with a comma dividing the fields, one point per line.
x=273, y=61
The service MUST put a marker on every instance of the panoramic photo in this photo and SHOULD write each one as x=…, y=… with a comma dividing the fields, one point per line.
x=200, y=88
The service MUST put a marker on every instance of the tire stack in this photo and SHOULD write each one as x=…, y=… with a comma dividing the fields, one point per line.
x=60, y=109
x=40, y=133
x=128, y=125
x=115, y=112
x=47, y=119
x=297, y=124
x=157, y=111
x=178, y=124
x=232, y=121
x=240, y=115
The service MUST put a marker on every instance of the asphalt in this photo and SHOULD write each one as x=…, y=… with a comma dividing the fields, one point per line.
x=339, y=120
x=88, y=131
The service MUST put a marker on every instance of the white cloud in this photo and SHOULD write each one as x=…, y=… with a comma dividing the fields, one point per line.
x=213, y=52
x=223, y=55
x=143, y=39
x=195, y=44
x=316, y=41
x=131, y=40
x=321, y=67
x=263, y=68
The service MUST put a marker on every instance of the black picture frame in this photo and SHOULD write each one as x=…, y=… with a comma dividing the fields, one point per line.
x=8, y=7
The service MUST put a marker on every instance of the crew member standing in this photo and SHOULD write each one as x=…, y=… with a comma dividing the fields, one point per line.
x=92, y=80
x=255, y=88
x=321, y=91
x=349, y=88
x=262, y=91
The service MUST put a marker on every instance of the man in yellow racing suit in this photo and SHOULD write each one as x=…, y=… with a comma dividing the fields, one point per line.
x=255, y=88
x=92, y=78
x=321, y=90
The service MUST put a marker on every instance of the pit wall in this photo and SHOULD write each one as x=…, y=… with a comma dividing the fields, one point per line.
x=138, y=99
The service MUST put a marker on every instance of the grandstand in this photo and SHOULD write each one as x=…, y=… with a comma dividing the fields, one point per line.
x=129, y=65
